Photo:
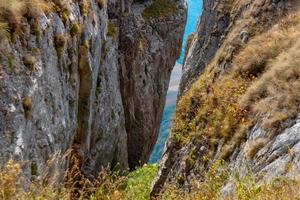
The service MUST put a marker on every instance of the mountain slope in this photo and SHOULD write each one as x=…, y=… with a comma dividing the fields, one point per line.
x=239, y=96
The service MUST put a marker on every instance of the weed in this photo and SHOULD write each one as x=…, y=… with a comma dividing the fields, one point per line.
x=60, y=43
x=29, y=62
x=101, y=3
x=27, y=106
x=111, y=30
x=75, y=29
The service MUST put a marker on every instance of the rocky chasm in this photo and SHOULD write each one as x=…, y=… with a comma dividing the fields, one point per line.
x=87, y=77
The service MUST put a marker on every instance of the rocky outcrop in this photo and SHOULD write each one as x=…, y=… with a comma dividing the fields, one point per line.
x=76, y=78
x=145, y=72
x=204, y=43
x=225, y=30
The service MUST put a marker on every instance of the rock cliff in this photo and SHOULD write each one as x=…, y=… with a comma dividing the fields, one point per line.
x=237, y=100
x=86, y=76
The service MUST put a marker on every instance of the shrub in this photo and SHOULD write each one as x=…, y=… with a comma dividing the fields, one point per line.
x=27, y=106
x=111, y=30
x=84, y=7
x=75, y=29
x=33, y=8
x=60, y=43
x=101, y=3
x=159, y=9
x=11, y=12
x=29, y=62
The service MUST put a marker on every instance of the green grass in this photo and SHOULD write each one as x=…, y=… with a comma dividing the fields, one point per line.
x=109, y=185
x=139, y=182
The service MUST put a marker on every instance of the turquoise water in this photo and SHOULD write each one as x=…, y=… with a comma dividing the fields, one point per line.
x=194, y=11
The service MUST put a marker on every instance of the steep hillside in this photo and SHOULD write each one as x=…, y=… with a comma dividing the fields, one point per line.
x=239, y=99
x=86, y=79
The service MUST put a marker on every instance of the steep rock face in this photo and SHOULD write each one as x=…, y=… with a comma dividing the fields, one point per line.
x=146, y=64
x=64, y=85
x=214, y=121
x=59, y=86
x=204, y=44
x=108, y=122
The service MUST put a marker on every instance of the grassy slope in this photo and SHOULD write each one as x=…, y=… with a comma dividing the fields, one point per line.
x=261, y=86
x=139, y=182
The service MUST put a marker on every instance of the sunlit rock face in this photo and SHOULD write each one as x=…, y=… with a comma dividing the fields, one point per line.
x=96, y=92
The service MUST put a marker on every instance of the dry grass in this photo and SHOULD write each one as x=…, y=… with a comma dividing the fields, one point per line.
x=9, y=180
x=12, y=11
x=29, y=62
x=262, y=86
x=4, y=30
x=101, y=3
x=111, y=30
x=109, y=185
x=27, y=106
x=255, y=146
x=273, y=95
x=245, y=188
x=212, y=110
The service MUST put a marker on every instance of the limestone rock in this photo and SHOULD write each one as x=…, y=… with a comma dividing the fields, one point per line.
x=98, y=91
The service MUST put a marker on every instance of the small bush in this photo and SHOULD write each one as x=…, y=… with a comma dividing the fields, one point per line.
x=60, y=43
x=33, y=8
x=84, y=7
x=111, y=30
x=29, y=62
x=159, y=9
x=27, y=106
x=11, y=12
x=75, y=29
x=101, y=3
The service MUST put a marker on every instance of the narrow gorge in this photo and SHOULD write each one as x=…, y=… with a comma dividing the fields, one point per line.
x=146, y=99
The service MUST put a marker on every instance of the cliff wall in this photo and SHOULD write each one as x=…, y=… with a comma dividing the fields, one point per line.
x=85, y=78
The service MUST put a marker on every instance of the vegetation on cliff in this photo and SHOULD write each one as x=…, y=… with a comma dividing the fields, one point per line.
x=243, y=104
x=260, y=87
x=159, y=9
